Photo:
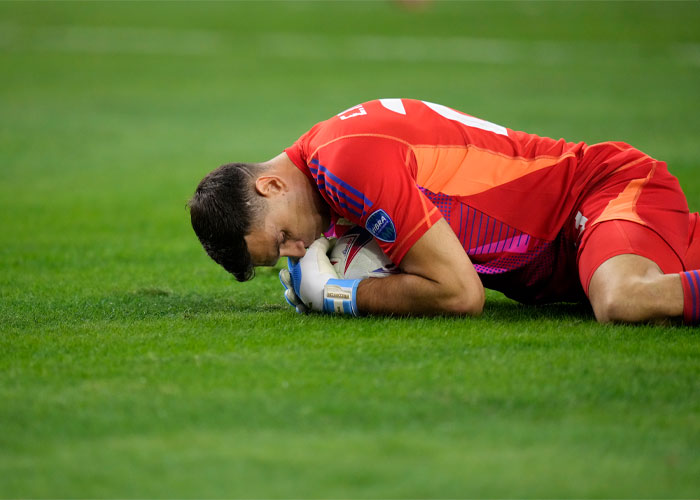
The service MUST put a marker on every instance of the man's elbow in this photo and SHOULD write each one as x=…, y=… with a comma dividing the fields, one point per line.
x=467, y=302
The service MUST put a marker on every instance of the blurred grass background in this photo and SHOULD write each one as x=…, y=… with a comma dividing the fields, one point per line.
x=132, y=366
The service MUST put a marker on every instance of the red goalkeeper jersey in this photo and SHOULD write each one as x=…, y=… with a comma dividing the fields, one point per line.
x=396, y=166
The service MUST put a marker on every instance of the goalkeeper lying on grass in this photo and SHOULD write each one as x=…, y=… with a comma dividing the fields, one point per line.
x=459, y=204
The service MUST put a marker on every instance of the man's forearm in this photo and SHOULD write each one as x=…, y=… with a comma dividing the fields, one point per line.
x=437, y=278
x=408, y=294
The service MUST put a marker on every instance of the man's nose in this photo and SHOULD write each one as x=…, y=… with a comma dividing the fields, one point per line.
x=293, y=249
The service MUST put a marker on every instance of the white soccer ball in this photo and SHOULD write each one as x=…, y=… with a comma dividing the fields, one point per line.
x=356, y=255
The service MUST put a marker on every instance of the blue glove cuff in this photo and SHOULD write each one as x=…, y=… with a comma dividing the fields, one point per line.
x=340, y=296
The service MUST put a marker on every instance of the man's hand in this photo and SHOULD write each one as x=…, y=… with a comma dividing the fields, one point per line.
x=312, y=283
x=437, y=278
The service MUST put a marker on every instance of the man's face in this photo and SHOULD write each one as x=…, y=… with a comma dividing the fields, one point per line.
x=285, y=231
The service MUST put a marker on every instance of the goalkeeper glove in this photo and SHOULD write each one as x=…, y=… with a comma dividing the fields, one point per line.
x=312, y=283
x=289, y=295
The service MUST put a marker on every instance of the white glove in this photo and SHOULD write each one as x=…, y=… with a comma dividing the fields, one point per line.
x=289, y=295
x=312, y=283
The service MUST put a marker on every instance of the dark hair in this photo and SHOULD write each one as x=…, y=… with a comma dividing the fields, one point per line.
x=222, y=211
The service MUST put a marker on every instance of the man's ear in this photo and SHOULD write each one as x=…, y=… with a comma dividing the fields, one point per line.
x=270, y=185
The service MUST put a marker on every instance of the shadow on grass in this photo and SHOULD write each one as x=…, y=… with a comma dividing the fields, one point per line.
x=504, y=310
x=135, y=305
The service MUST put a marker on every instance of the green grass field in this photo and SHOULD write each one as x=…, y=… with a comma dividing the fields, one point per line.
x=131, y=366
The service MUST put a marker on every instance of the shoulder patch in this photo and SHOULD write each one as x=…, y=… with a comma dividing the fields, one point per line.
x=380, y=225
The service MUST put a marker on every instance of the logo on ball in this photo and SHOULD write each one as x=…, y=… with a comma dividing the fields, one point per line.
x=356, y=255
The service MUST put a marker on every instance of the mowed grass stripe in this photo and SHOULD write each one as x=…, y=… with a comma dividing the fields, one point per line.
x=458, y=49
x=266, y=463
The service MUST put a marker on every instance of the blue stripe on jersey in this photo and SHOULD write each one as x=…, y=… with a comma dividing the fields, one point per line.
x=695, y=313
x=498, y=238
x=504, y=240
x=461, y=219
x=322, y=183
x=478, y=233
x=471, y=232
x=496, y=248
x=335, y=195
x=328, y=175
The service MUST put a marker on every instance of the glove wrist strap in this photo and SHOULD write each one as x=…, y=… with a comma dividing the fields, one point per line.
x=340, y=296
